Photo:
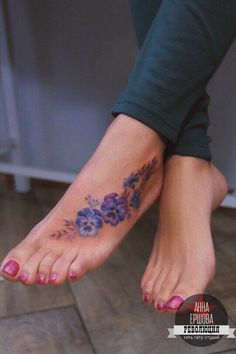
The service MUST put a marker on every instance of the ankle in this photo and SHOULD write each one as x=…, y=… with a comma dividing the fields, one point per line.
x=188, y=162
x=203, y=171
x=132, y=129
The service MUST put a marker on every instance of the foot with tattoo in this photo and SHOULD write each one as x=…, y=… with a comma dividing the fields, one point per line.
x=117, y=185
x=182, y=261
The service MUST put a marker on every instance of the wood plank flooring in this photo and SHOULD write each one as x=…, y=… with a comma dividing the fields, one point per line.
x=103, y=313
x=47, y=332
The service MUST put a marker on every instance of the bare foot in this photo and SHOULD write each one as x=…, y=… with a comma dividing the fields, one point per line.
x=182, y=261
x=121, y=180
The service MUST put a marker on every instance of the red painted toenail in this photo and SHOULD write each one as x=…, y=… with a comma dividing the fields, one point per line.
x=72, y=275
x=41, y=279
x=174, y=302
x=11, y=268
x=147, y=298
x=160, y=305
x=52, y=278
x=23, y=277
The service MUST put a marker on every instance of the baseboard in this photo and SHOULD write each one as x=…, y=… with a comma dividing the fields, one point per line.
x=230, y=200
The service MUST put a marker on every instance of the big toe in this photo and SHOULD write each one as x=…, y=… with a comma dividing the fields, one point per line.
x=13, y=262
x=182, y=291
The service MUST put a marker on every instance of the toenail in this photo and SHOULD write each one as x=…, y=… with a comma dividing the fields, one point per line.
x=72, y=275
x=160, y=305
x=23, y=277
x=41, y=279
x=174, y=302
x=52, y=278
x=11, y=268
x=147, y=298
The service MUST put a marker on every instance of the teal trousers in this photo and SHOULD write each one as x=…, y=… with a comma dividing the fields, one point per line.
x=182, y=43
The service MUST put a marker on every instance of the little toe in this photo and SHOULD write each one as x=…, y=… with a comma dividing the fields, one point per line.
x=77, y=269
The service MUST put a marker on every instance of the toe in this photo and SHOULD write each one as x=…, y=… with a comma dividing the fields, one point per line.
x=77, y=269
x=29, y=270
x=174, y=302
x=12, y=264
x=146, y=275
x=182, y=291
x=45, y=266
x=162, y=292
x=151, y=263
x=147, y=288
x=61, y=266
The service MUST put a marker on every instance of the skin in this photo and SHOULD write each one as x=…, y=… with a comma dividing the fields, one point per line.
x=113, y=209
x=49, y=254
x=182, y=261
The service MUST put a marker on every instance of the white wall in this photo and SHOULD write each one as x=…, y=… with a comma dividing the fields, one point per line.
x=222, y=111
x=71, y=61
x=3, y=123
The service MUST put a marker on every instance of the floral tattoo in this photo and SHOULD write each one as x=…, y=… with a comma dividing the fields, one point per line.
x=113, y=209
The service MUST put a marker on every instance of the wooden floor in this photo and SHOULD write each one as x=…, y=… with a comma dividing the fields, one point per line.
x=103, y=313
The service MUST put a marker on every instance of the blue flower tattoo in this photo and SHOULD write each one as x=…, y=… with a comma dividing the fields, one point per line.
x=89, y=221
x=114, y=208
x=131, y=180
x=135, y=199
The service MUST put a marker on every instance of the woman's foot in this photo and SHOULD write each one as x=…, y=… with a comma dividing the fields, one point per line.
x=182, y=261
x=121, y=180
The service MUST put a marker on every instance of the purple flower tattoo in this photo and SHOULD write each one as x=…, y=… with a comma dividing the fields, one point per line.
x=89, y=221
x=114, y=208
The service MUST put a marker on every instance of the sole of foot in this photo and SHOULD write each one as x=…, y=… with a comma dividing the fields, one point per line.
x=182, y=261
x=117, y=185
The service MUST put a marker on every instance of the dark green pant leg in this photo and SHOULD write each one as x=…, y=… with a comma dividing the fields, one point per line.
x=193, y=139
x=184, y=45
x=143, y=13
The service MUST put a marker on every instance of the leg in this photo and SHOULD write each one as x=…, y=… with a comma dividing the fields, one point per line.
x=193, y=139
x=182, y=260
x=31, y=262
x=196, y=123
x=170, y=73
x=188, y=180
x=143, y=13
x=90, y=220
x=167, y=276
